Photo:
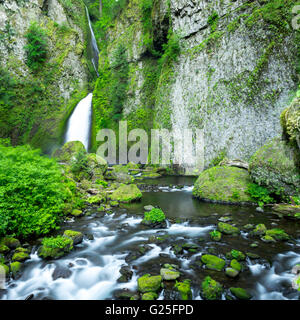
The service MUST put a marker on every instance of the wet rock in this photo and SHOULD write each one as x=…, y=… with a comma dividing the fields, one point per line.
x=77, y=213
x=287, y=210
x=68, y=151
x=236, y=265
x=215, y=235
x=296, y=283
x=268, y=239
x=252, y=255
x=240, y=293
x=211, y=289
x=260, y=230
x=76, y=236
x=16, y=268
x=30, y=297
x=20, y=255
x=148, y=283
x=177, y=249
x=296, y=269
x=254, y=245
x=4, y=249
x=149, y=296
x=184, y=289
x=126, y=193
x=188, y=246
x=124, y=294
x=61, y=272
x=236, y=254
x=89, y=236
x=126, y=274
x=228, y=229
x=232, y=273
x=225, y=219
x=248, y=226
x=278, y=234
x=259, y=209
x=148, y=208
x=144, y=249
x=213, y=262
x=10, y=242
x=169, y=273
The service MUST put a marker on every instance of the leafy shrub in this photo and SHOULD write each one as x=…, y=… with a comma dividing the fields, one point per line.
x=33, y=192
x=36, y=48
x=213, y=20
x=57, y=242
x=80, y=163
x=171, y=48
x=260, y=194
x=155, y=215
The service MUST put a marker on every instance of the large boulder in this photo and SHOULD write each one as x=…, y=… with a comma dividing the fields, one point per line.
x=274, y=166
x=126, y=193
x=54, y=248
x=211, y=289
x=290, y=121
x=97, y=165
x=67, y=153
x=223, y=184
x=148, y=283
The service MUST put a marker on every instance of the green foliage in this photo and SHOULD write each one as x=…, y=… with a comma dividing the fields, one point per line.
x=80, y=163
x=259, y=194
x=36, y=48
x=220, y=157
x=171, y=49
x=33, y=192
x=155, y=215
x=120, y=70
x=213, y=20
x=57, y=242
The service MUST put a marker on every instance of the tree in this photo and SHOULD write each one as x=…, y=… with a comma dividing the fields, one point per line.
x=100, y=8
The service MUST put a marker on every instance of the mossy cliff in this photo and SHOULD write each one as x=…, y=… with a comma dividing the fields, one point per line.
x=227, y=67
x=35, y=102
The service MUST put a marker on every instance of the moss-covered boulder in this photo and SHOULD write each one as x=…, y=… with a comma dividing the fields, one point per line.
x=97, y=199
x=16, y=268
x=228, y=229
x=287, y=210
x=126, y=193
x=290, y=121
x=238, y=255
x=231, y=272
x=20, y=255
x=148, y=283
x=240, y=293
x=184, y=289
x=54, y=248
x=259, y=230
x=10, y=242
x=75, y=236
x=97, y=166
x=169, y=273
x=68, y=151
x=4, y=249
x=235, y=265
x=275, y=167
x=278, y=234
x=213, y=262
x=211, y=289
x=216, y=235
x=149, y=296
x=224, y=185
x=4, y=268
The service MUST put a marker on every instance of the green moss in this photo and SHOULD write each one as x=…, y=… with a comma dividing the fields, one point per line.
x=184, y=289
x=68, y=151
x=235, y=265
x=278, y=234
x=54, y=248
x=10, y=242
x=148, y=283
x=15, y=268
x=6, y=269
x=155, y=215
x=224, y=184
x=227, y=228
x=4, y=249
x=75, y=236
x=238, y=255
x=259, y=230
x=126, y=193
x=215, y=235
x=213, y=262
x=211, y=289
x=240, y=293
x=149, y=296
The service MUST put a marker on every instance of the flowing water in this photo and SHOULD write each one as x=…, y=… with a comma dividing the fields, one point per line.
x=79, y=124
x=91, y=271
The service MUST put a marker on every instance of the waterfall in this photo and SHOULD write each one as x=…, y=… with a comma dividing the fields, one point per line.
x=95, y=50
x=79, y=124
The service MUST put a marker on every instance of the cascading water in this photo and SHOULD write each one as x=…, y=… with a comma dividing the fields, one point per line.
x=95, y=50
x=79, y=124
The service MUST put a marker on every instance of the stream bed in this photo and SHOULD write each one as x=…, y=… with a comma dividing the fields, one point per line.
x=91, y=271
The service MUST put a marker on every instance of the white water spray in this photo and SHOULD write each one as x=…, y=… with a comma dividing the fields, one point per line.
x=79, y=124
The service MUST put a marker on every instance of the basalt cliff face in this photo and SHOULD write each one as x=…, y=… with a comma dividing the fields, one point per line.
x=234, y=74
x=37, y=102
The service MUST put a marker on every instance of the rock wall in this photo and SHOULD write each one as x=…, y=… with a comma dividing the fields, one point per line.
x=61, y=79
x=235, y=74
